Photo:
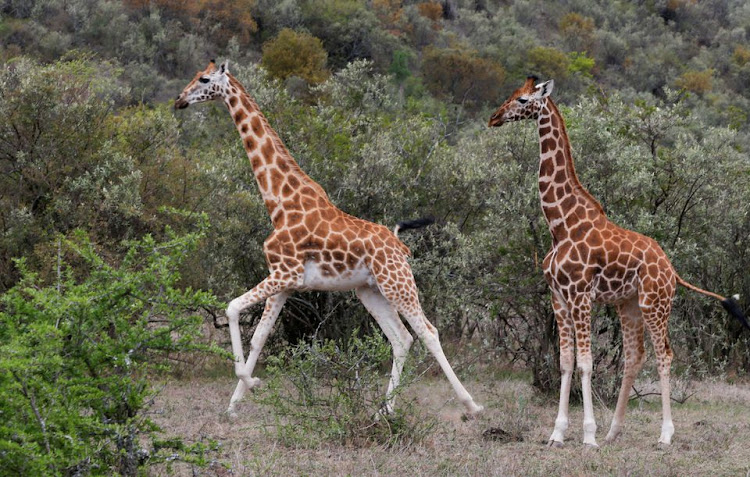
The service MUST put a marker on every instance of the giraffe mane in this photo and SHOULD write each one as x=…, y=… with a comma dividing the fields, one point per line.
x=570, y=166
x=278, y=143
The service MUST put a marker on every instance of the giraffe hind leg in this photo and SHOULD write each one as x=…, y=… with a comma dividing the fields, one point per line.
x=403, y=296
x=655, y=303
x=632, y=341
x=398, y=336
x=655, y=318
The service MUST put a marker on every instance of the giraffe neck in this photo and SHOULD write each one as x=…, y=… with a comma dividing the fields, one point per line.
x=279, y=177
x=565, y=202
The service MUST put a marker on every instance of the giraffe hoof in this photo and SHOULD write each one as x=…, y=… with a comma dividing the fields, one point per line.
x=384, y=412
x=473, y=411
x=663, y=445
x=609, y=440
x=555, y=444
x=471, y=415
x=250, y=382
x=591, y=447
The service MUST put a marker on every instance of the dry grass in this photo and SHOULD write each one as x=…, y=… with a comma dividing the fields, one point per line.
x=712, y=428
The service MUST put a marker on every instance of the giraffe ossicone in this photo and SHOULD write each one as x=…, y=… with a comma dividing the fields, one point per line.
x=316, y=246
x=594, y=260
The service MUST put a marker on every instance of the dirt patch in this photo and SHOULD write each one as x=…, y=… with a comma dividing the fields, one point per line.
x=710, y=436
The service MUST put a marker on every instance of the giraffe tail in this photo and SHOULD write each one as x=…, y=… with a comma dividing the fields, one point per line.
x=413, y=224
x=729, y=303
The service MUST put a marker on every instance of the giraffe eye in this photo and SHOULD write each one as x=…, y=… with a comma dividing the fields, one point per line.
x=204, y=80
x=523, y=100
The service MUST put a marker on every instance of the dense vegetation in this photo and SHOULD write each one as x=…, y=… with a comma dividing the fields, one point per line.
x=384, y=103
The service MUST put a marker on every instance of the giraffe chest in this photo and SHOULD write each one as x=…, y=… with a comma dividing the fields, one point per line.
x=325, y=277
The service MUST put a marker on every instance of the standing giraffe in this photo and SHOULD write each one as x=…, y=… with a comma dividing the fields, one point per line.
x=594, y=260
x=316, y=246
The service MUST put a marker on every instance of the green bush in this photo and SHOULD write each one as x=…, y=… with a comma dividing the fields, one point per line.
x=548, y=62
x=55, y=155
x=581, y=64
x=296, y=54
x=334, y=391
x=76, y=355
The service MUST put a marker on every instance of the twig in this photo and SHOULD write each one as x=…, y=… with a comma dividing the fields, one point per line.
x=639, y=395
x=32, y=401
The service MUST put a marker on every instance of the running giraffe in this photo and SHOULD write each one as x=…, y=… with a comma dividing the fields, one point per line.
x=316, y=246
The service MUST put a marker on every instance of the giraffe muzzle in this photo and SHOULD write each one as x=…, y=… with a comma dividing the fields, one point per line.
x=180, y=103
x=495, y=121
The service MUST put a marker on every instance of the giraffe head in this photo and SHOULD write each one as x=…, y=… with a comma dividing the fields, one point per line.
x=524, y=103
x=207, y=85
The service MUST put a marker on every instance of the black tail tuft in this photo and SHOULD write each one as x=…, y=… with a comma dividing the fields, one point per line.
x=731, y=305
x=414, y=224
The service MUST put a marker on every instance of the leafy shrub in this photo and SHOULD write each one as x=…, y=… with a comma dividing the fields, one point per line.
x=388, y=12
x=578, y=31
x=696, y=81
x=462, y=75
x=581, y=64
x=741, y=55
x=548, y=62
x=222, y=19
x=296, y=54
x=431, y=10
x=55, y=155
x=75, y=356
x=348, y=29
x=334, y=391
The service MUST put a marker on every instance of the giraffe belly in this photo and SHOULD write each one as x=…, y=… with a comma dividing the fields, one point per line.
x=325, y=277
x=614, y=290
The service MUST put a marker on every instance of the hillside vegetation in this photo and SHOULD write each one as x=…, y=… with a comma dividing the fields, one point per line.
x=385, y=104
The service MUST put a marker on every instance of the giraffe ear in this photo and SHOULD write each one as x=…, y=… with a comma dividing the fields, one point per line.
x=542, y=90
x=224, y=68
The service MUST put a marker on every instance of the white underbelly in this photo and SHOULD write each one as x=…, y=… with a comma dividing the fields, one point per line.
x=326, y=278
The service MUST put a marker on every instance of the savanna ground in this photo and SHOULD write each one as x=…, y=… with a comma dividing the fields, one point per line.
x=711, y=430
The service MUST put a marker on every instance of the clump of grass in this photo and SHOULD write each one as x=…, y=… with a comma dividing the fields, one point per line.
x=334, y=391
x=514, y=424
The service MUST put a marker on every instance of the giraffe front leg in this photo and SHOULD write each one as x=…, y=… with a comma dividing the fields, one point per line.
x=271, y=285
x=262, y=331
x=567, y=361
x=581, y=314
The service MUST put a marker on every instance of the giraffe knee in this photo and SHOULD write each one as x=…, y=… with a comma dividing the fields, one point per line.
x=430, y=328
x=668, y=350
x=401, y=345
x=233, y=310
x=406, y=341
x=567, y=362
x=585, y=364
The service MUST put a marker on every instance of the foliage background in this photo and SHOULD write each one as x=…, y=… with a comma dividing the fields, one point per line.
x=390, y=119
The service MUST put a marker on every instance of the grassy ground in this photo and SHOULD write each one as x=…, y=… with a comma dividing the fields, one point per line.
x=711, y=433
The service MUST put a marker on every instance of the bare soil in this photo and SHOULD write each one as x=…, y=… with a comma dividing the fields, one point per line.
x=712, y=429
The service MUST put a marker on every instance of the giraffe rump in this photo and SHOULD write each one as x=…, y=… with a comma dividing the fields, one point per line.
x=413, y=224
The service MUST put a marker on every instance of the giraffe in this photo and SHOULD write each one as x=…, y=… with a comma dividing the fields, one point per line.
x=316, y=246
x=594, y=260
